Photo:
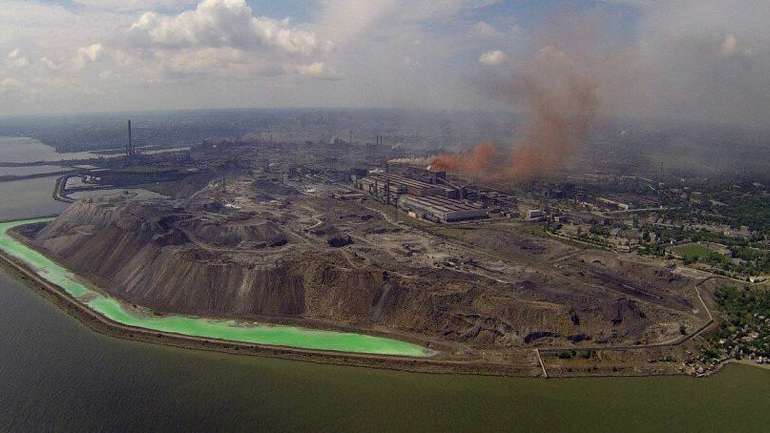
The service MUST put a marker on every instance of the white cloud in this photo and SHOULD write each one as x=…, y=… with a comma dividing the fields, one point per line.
x=10, y=85
x=443, y=9
x=202, y=53
x=320, y=71
x=28, y=23
x=222, y=63
x=222, y=23
x=705, y=60
x=345, y=20
x=50, y=64
x=17, y=59
x=89, y=54
x=729, y=45
x=484, y=30
x=493, y=58
x=134, y=5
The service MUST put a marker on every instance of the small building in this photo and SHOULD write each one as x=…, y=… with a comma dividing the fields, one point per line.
x=614, y=203
x=535, y=215
x=347, y=196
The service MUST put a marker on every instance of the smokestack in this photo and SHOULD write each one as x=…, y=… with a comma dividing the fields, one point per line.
x=129, y=145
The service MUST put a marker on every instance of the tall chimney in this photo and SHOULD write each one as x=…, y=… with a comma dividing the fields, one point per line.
x=130, y=148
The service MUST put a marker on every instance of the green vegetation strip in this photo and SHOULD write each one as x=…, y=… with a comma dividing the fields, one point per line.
x=247, y=332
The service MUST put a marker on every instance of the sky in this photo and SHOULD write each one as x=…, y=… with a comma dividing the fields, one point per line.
x=698, y=59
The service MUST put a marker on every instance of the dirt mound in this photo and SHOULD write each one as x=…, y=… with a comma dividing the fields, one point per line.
x=253, y=235
x=183, y=260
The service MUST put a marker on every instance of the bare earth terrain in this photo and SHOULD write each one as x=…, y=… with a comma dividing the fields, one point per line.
x=491, y=292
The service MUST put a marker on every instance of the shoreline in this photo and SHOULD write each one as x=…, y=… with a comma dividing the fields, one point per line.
x=442, y=363
x=105, y=326
x=93, y=283
x=99, y=323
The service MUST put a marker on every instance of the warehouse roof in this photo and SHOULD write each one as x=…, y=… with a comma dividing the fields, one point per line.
x=398, y=179
x=442, y=204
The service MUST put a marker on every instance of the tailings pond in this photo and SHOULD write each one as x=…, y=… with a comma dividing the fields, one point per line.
x=195, y=326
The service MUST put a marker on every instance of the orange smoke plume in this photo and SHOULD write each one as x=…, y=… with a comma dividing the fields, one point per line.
x=560, y=96
x=475, y=163
x=562, y=102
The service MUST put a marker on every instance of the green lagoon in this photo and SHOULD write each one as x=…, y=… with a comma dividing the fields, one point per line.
x=220, y=329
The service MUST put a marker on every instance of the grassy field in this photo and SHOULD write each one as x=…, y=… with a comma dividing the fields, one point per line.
x=696, y=252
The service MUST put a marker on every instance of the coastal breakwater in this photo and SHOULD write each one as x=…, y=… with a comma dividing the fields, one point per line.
x=199, y=327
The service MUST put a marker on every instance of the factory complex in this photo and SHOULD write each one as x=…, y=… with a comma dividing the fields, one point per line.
x=421, y=193
x=439, y=209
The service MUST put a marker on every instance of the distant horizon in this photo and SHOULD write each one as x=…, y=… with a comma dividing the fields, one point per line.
x=599, y=118
x=255, y=108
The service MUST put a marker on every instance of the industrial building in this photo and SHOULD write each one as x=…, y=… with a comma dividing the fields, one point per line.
x=388, y=185
x=613, y=203
x=441, y=209
x=347, y=195
x=534, y=215
x=417, y=173
x=421, y=193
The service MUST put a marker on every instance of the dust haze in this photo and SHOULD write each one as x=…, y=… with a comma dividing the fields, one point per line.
x=558, y=92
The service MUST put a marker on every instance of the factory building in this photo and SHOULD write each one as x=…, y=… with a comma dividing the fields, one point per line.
x=421, y=193
x=534, y=215
x=417, y=173
x=441, y=209
x=379, y=187
x=383, y=185
x=613, y=203
x=347, y=195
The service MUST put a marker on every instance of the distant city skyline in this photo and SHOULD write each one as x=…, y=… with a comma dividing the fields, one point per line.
x=699, y=59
